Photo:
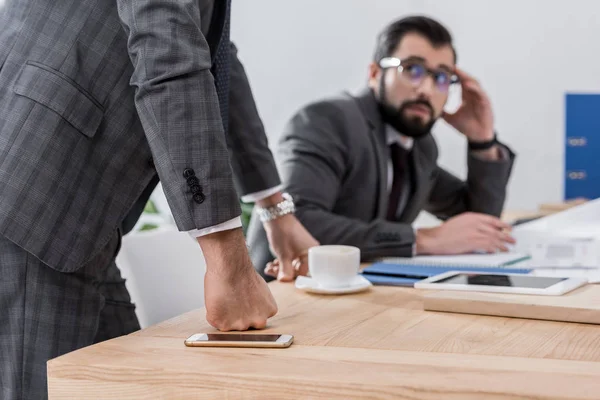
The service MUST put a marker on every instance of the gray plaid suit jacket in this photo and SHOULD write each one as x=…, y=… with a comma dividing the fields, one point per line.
x=97, y=99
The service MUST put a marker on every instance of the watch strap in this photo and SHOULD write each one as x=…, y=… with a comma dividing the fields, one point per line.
x=483, y=145
x=278, y=210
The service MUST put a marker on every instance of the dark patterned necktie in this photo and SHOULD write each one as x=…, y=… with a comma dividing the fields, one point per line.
x=220, y=68
x=398, y=156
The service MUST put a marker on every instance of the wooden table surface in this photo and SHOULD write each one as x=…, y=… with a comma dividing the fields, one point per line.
x=376, y=344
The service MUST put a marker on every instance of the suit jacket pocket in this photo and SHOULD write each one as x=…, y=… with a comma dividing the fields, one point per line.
x=60, y=94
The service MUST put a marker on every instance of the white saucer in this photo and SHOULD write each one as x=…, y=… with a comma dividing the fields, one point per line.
x=309, y=285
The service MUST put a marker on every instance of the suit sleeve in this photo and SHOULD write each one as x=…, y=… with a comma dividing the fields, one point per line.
x=177, y=104
x=484, y=191
x=251, y=159
x=314, y=162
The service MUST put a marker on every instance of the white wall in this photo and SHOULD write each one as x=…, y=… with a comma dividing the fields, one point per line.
x=526, y=53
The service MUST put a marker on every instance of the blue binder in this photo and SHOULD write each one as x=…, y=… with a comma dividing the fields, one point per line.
x=406, y=275
x=582, y=145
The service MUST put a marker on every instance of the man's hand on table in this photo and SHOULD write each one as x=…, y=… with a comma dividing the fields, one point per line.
x=236, y=297
x=299, y=267
x=289, y=240
x=465, y=233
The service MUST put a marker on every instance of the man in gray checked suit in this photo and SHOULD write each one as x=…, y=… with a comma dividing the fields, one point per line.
x=362, y=167
x=99, y=100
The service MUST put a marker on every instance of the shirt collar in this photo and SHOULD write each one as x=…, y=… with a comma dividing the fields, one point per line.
x=393, y=136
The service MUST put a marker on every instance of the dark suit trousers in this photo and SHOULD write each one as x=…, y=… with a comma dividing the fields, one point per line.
x=45, y=313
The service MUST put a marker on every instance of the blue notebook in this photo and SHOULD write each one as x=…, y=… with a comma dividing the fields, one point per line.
x=388, y=280
x=406, y=275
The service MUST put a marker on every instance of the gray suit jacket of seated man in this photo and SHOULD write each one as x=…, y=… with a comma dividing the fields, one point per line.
x=333, y=157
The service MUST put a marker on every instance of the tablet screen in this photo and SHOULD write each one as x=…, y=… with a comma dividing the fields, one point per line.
x=522, y=281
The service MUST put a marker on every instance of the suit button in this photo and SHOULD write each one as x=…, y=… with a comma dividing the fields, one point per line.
x=199, y=198
x=192, y=180
x=188, y=172
x=196, y=189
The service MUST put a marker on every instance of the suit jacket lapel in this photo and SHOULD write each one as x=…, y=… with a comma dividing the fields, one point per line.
x=368, y=105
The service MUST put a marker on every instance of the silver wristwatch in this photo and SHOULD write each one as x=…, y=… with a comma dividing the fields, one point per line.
x=280, y=209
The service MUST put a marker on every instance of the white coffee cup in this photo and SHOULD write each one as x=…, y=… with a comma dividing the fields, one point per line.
x=333, y=266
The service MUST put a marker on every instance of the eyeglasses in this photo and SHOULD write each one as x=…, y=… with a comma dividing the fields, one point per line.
x=416, y=73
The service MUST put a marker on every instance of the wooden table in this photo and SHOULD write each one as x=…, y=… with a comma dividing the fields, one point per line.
x=377, y=344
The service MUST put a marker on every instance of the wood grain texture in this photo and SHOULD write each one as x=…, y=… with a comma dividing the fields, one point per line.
x=377, y=344
x=581, y=305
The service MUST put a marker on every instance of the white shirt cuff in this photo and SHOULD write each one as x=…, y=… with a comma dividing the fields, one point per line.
x=263, y=194
x=231, y=224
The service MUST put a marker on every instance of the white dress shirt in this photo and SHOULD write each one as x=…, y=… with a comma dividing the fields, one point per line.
x=237, y=221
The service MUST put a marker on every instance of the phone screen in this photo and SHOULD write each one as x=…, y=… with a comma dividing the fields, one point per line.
x=232, y=337
x=521, y=281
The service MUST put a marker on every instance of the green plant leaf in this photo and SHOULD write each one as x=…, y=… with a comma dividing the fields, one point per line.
x=150, y=208
x=148, y=227
x=246, y=214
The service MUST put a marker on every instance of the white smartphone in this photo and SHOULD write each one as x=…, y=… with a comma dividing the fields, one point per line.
x=269, y=340
x=501, y=283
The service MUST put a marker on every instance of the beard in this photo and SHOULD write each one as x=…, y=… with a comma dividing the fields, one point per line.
x=396, y=117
